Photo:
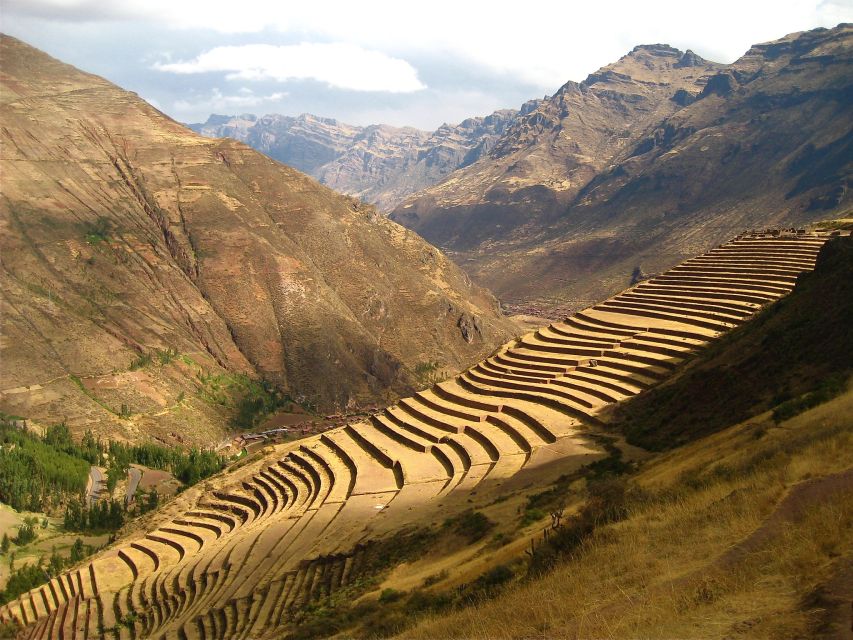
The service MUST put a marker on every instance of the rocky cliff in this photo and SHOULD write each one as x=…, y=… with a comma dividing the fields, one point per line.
x=149, y=274
x=378, y=164
x=655, y=157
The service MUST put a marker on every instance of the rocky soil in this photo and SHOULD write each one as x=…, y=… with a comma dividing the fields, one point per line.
x=653, y=158
x=149, y=273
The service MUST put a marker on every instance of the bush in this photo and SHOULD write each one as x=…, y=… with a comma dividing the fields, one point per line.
x=390, y=595
x=471, y=525
x=98, y=231
x=826, y=391
x=530, y=516
x=428, y=601
x=435, y=578
x=607, y=502
x=26, y=533
x=22, y=580
x=142, y=361
x=495, y=577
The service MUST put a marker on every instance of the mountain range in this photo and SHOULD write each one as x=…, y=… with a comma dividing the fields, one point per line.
x=379, y=164
x=152, y=278
x=653, y=158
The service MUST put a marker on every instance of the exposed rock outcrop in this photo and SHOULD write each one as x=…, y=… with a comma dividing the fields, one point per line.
x=148, y=273
x=379, y=164
x=655, y=157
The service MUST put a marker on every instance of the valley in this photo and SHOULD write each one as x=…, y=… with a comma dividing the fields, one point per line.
x=295, y=524
x=577, y=370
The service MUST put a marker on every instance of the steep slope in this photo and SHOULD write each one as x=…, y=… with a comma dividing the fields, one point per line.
x=802, y=344
x=379, y=164
x=656, y=157
x=741, y=529
x=305, y=142
x=290, y=533
x=125, y=235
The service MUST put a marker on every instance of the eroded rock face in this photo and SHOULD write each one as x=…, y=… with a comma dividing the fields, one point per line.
x=655, y=157
x=379, y=164
x=126, y=235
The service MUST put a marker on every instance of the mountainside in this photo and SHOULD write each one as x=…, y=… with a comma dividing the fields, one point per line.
x=435, y=505
x=379, y=164
x=656, y=157
x=148, y=273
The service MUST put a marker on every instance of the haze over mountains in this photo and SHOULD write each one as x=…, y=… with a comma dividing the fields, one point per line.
x=672, y=461
x=651, y=159
x=379, y=164
x=129, y=239
x=656, y=157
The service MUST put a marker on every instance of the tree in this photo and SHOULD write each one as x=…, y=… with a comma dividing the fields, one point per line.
x=26, y=533
x=4, y=546
x=77, y=551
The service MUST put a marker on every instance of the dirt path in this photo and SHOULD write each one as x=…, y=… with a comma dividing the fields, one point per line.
x=134, y=475
x=96, y=484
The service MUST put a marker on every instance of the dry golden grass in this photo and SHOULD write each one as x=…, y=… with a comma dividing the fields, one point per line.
x=678, y=566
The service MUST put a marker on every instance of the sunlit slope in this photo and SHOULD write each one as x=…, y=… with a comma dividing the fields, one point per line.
x=239, y=555
x=126, y=235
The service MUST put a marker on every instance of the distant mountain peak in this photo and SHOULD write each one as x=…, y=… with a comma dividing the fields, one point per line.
x=657, y=49
x=380, y=163
x=635, y=163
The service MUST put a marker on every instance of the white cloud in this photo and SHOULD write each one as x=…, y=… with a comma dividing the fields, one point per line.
x=338, y=64
x=543, y=43
x=219, y=102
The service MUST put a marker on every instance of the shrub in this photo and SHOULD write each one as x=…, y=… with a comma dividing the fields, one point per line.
x=98, y=231
x=390, y=595
x=471, y=525
x=26, y=533
x=142, y=361
x=827, y=390
x=530, y=516
x=495, y=577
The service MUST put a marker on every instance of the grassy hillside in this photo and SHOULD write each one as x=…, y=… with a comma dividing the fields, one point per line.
x=742, y=534
x=741, y=529
x=801, y=344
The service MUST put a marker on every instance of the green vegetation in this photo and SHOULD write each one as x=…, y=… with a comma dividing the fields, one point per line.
x=252, y=400
x=394, y=610
x=32, y=575
x=827, y=390
x=607, y=502
x=39, y=473
x=259, y=399
x=163, y=356
x=36, y=472
x=471, y=525
x=540, y=504
x=802, y=343
x=98, y=231
x=187, y=466
x=102, y=516
x=142, y=361
x=428, y=372
x=390, y=595
x=23, y=579
x=26, y=532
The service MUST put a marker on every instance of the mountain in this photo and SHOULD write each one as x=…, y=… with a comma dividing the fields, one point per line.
x=150, y=276
x=655, y=157
x=435, y=512
x=378, y=164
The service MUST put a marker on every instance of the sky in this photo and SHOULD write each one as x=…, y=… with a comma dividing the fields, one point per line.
x=394, y=62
